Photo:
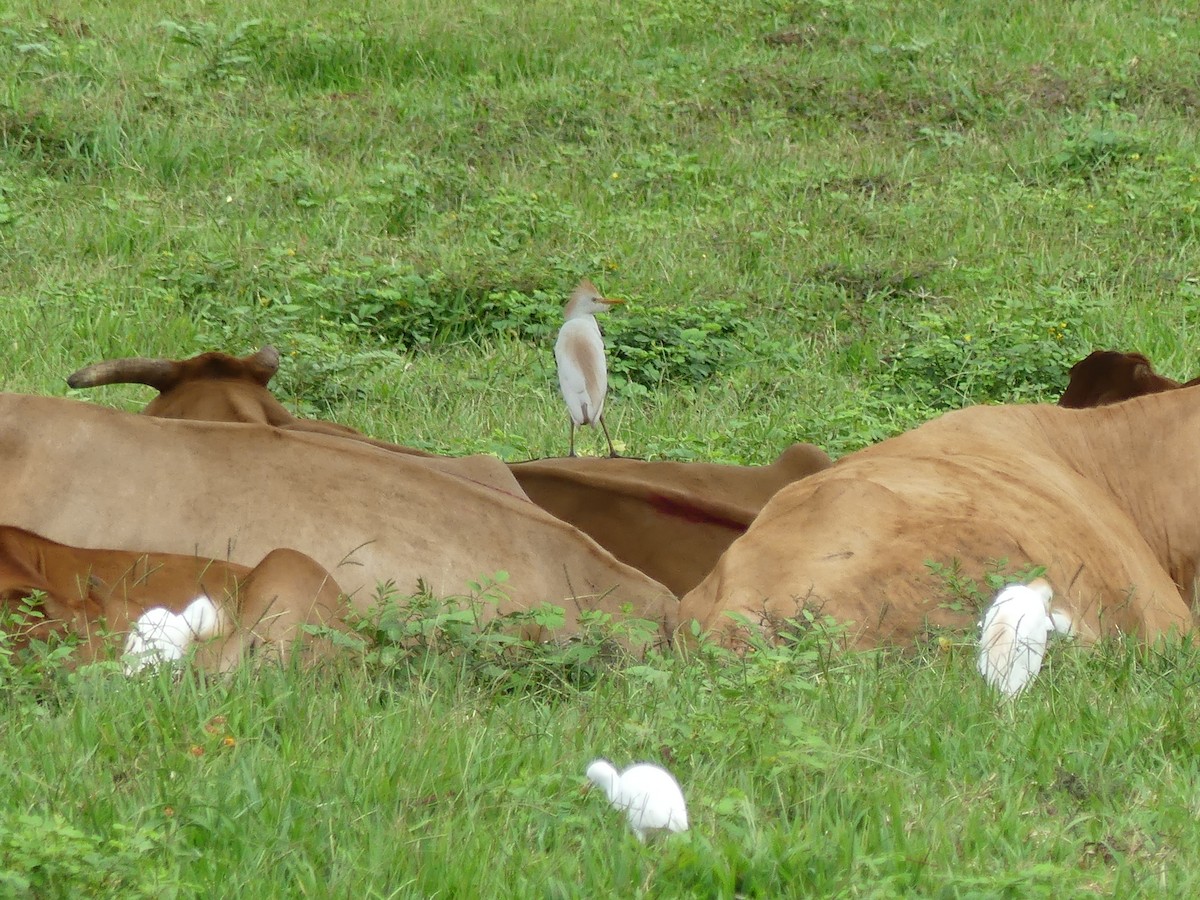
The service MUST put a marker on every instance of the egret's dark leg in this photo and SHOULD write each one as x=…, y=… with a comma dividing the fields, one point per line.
x=572, y=453
x=611, y=452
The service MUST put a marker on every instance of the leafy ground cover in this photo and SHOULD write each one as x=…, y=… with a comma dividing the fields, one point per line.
x=833, y=219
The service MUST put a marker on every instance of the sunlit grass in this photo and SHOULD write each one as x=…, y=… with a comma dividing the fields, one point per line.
x=856, y=192
x=874, y=774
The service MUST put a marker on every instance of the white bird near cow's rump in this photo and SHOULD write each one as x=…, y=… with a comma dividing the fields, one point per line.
x=160, y=636
x=1014, y=632
x=649, y=795
x=579, y=352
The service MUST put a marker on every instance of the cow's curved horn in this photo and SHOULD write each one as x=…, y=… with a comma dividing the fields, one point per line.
x=157, y=373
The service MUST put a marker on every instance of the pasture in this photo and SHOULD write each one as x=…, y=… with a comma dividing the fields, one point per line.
x=832, y=221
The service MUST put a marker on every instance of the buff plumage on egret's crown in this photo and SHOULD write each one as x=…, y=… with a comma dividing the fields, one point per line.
x=579, y=353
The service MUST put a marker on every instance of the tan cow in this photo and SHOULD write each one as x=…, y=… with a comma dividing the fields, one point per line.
x=1110, y=376
x=1104, y=498
x=98, y=594
x=214, y=387
x=671, y=520
x=94, y=477
x=217, y=387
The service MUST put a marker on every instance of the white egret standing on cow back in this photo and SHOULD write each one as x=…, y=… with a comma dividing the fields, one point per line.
x=579, y=352
x=648, y=794
x=1014, y=632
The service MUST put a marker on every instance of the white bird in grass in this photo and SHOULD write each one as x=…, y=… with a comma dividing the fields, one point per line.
x=161, y=636
x=579, y=352
x=648, y=794
x=1014, y=632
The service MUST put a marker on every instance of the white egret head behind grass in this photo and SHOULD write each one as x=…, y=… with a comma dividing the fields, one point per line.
x=579, y=353
x=203, y=618
x=1013, y=635
x=649, y=795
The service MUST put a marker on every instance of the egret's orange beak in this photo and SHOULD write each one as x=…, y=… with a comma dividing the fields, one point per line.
x=612, y=301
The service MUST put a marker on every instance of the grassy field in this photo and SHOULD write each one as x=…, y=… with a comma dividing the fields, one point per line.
x=833, y=219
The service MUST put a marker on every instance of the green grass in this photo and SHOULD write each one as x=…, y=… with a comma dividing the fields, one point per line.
x=834, y=220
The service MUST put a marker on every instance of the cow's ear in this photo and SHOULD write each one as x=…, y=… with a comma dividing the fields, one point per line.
x=1142, y=372
x=264, y=364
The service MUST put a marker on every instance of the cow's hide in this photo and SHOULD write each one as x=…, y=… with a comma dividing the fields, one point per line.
x=50, y=588
x=217, y=387
x=671, y=520
x=1104, y=498
x=94, y=477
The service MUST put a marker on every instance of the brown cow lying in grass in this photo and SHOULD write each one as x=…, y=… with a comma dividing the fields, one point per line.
x=213, y=387
x=1104, y=498
x=98, y=594
x=217, y=387
x=671, y=520
x=238, y=491
x=1110, y=376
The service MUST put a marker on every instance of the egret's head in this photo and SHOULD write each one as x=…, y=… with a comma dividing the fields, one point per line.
x=203, y=618
x=1041, y=587
x=586, y=300
x=603, y=774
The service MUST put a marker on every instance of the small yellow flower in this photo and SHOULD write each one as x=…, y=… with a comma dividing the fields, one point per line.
x=944, y=644
x=967, y=338
x=1135, y=156
x=229, y=740
x=614, y=175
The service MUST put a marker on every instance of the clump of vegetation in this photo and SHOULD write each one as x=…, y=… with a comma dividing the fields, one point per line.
x=45, y=856
x=423, y=636
x=1019, y=354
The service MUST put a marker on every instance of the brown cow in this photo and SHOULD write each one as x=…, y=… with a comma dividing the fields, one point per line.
x=95, y=477
x=217, y=387
x=1110, y=376
x=1104, y=498
x=98, y=594
x=671, y=520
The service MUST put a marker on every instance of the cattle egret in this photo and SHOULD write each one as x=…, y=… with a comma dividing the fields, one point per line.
x=648, y=794
x=202, y=617
x=158, y=636
x=579, y=352
x=161, y=636
x=1013, y=635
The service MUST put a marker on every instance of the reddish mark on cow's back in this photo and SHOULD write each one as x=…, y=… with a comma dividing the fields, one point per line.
x=691, y=513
